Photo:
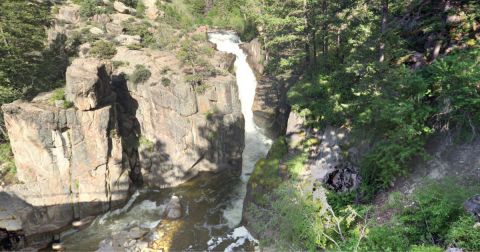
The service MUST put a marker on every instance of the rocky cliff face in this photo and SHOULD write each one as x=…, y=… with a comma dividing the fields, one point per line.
x=69, y=161
x=84, y=160
x=181, y=130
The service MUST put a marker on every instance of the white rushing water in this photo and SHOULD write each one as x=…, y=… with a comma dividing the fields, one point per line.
x=256, y=144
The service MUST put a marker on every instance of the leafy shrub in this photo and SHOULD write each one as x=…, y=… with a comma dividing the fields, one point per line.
x=7, y=163
x=103, y=49
x=434, y=217
x=140, y=10
x=146, y=143
x=118, y=63
x=166, y=81
x=88, y=8
x=463, y=235
x=140, y=74
x=134, y=47
x=58, y=94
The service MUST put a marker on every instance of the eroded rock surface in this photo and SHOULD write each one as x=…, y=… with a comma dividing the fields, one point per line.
x=69, y=161
x=183, y=131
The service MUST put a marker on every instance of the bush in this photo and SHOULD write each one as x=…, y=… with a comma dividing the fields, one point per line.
x=88, y=8
x=134, y=47
x=166, y=81
x=146, y=143
x=433, y=217
x=463, y=235
x=7, y=163
x=117, y=63
x=103, y=49
x=140, y=8
x=140, y=74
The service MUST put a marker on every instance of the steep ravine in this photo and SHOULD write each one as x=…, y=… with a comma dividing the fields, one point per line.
x=212, y=204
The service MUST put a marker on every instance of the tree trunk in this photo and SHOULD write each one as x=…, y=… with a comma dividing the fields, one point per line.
x=383, y=30
x=446, y=5
x=325, y=31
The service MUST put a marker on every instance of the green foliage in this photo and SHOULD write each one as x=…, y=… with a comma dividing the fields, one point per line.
x=166, y=81
x=7, y=163
x=134, y=47
x=463, y=235
x=426, y=248
x=433, y=216
x=265, y=176
x=116, y=63
x=103, y=49
x=146, y=143
x=140, y=10
x=58, y=94
x=211, y=113
x=140, y=74
x=226, y=14
x=88, y=8
x=22, y=37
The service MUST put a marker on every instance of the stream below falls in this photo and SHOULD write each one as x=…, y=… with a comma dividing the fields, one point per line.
x=212, y=203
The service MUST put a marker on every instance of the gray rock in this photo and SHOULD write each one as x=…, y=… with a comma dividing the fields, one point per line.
x=122, y=8
x=472, y=205
x=88, y=83
x=96, y=31
x=101, y=18
x=114, y=29
x=69, y=13
x=127, y=40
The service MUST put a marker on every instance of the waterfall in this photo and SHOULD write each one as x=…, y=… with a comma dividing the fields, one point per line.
x=256, y=144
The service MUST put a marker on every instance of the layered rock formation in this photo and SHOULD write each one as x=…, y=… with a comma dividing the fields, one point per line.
x=182, y=130
x=69, y=161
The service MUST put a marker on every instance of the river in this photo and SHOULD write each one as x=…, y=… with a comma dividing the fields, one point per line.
x=212, y=203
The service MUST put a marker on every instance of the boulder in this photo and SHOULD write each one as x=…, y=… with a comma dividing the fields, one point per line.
x=88, y=83
x=101, y=18
x=174, y=209
x=122, y=8
x=96, y=31
x=128, y=39
x=472, y=205
x=114, y=29
x=295, y=133
x=69, y=14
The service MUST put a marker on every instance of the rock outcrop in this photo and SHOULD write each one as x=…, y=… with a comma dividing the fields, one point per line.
x=88, y=83
x=69, y=161
x=183, y=130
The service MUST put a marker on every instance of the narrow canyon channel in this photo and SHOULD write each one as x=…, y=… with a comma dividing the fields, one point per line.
x=211, y=203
